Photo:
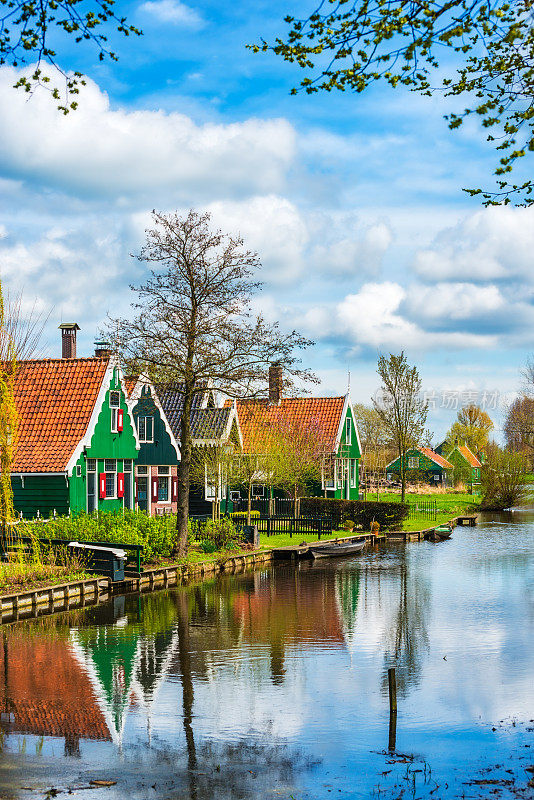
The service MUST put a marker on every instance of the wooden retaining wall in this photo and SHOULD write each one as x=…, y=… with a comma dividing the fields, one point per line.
x=48, y=600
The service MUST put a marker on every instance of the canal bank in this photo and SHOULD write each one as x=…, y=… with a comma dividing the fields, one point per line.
x=92, y=591
x=273, y=682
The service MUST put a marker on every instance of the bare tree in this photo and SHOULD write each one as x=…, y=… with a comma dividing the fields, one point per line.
x=400, y=407
x=519, y=427
x=503, y=478
x=193, y=324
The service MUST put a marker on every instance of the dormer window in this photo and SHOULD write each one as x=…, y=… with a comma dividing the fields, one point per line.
x=145, y=429
x=114, y=403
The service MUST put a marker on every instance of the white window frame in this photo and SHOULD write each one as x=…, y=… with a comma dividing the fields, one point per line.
x=168, y=480
x=413, y=462
x=353, y=472
x=329, y=482
x=114, y=495
x=258, y=490
x=91, y=465
x=348, y=431
x=141, y=469
x=114, y=405
x=143, y=437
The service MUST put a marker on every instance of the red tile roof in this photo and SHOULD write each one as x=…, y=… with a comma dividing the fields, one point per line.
x=469, y=456
x=46, y=689
x=129, y=385
x=55, y=399
x=442, y=462
x=256, y=416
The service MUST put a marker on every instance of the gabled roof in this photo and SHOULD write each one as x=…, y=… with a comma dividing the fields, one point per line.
x=134, y=386
x=469, y=456
x=208, y=424
x=426, y=451
x=257, y=415
x=439, y=460
x=55, y=399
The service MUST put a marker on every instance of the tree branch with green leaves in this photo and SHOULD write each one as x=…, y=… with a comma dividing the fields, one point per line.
x=480, y=50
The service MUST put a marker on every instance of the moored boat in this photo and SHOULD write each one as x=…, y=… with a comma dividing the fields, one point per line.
x=336, y=549
x=439, y=533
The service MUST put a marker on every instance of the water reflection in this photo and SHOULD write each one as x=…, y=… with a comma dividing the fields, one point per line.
x=275, y=681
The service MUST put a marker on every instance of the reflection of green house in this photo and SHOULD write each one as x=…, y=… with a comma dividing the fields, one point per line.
x=467, y=466
x=422, y=464
x=347, y=596
x=110, y=654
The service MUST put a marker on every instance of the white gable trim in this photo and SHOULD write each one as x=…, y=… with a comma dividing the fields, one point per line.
x=85, y=441
x=144, y=380
x=341, y=425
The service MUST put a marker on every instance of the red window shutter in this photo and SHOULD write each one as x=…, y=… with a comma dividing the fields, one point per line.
x=135, y=490
x=102, y=485
x=154, y=490
x=120, y=420
x=174, y=489
x=120, y=484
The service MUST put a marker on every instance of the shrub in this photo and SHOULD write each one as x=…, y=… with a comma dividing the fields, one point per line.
x=389, y=515
x=222, y=534
x=240, y=515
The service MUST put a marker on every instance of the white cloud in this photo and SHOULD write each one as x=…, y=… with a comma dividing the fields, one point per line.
x=172, y=11
x=453, y=301
x=372, y=318
x=359, y=252
x=493, y=244
x=105, y=152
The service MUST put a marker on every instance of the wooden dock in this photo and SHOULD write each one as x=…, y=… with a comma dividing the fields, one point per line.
x=469, y=519
x=296, y=551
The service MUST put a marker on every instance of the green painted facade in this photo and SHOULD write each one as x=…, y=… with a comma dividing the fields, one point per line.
x=161, y=450
x=347, y=462
x=425, y=470
x=463, y=471
x=44, y=493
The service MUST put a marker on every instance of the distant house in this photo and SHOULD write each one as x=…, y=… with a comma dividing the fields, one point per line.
x=156, y=482
x=467, y=466
x=76, y=439
x=333, y=415
x=422, y=464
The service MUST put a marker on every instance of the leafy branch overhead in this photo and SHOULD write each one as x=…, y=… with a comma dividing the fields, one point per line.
x=27, y=29
x=350, y=44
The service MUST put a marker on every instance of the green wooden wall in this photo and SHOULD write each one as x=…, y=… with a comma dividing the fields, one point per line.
x=104, y=444
x=161, y=450
x=41, y=493
x=349, y=451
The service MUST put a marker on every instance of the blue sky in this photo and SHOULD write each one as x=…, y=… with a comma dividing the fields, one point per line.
x=353, y=202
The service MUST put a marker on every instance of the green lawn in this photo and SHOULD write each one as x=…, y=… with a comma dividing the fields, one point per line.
x=284, y=540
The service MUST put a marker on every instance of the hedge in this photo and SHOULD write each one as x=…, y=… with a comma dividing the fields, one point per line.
x=388, y=515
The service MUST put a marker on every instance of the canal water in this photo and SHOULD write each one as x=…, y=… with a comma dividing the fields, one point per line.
x=273, y=684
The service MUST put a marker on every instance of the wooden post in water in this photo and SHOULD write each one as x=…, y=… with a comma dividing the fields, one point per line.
x=392, y=683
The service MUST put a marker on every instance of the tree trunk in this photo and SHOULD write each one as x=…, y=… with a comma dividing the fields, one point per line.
x=249, y=502
x=182, y=513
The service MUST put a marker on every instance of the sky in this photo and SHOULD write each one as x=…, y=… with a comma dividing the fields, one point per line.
x=353, y=202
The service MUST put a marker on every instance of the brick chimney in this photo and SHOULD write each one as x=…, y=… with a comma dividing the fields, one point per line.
x=102, y=348
x=275, y=383
x=68, y=339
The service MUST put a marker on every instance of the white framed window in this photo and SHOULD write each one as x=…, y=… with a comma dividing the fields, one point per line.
x=145, y=429
x=258, y=490
x=163, y=489
x=328, y=476
x=348, y=431
x=164, y=470
x=127, y=465
x=110, y=465
x=413, y=462
x=142, y=469
x=110, y=484
x=78, y=470
x=436, y=477
x=234, y=495
x=114, y=403
x=91, y=465
x=353, y=472
x=341, y=471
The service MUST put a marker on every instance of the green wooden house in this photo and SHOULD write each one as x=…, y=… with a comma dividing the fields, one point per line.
x=156, y=470
x=467, y=466
x=76, y=440
x=422, y=464
x=332, y=415
x=210, y=427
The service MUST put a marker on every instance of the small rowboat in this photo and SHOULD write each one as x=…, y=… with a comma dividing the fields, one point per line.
x=439, y=534
x=337, y=549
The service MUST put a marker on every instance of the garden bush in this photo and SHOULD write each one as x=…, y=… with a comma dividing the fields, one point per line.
x=389, y=515
x=157, y=535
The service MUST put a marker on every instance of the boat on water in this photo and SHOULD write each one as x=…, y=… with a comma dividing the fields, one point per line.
x=439, y=534
x=337, y=549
